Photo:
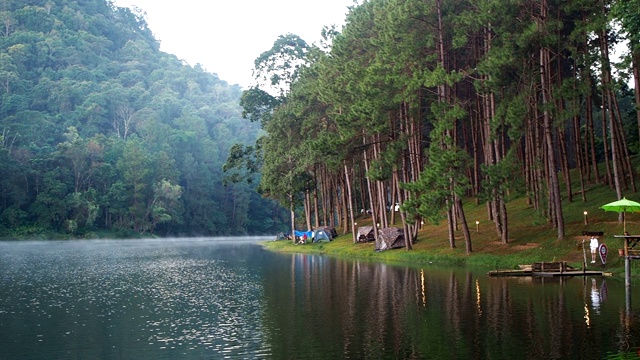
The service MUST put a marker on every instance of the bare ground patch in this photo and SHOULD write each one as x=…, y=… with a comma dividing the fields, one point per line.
x=526, y=246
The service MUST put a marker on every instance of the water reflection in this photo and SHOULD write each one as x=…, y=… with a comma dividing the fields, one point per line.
x=334, y=308
x=216, y=299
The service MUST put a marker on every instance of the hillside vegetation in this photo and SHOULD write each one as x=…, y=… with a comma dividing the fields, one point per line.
x=100, y=131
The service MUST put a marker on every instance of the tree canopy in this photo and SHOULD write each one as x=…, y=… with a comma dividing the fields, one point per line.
x=100, y=130
x=424, y=103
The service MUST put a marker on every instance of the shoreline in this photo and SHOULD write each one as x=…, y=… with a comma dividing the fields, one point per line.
x=342, y=247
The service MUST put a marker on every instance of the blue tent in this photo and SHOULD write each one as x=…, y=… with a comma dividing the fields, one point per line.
x=301, y=234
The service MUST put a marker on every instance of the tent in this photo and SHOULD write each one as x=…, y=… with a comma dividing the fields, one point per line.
x=365, y=233
x=390, y=238
x=331, y=230
x=281, y=236
x=300, y=234
x=322, y=236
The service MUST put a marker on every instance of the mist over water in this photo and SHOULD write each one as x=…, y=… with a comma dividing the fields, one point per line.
x=229, y=298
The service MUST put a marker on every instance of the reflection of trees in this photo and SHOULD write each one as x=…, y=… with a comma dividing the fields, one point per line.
x=628, y=332
x=367, y=303
x=338, y=308
x=535, y=319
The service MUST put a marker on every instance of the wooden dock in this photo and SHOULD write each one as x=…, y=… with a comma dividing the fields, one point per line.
x=548, y=269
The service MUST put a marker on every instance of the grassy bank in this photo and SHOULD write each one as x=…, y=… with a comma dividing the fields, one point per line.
x=531, y=239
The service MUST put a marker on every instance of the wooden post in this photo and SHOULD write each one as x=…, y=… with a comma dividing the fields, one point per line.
x=627, y=264
x=627, y=277
x=584, y=254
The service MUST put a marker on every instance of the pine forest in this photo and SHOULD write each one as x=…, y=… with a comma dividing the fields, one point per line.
x=426, y=104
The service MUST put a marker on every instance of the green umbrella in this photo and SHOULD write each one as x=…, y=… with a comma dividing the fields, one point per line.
x=622, y=206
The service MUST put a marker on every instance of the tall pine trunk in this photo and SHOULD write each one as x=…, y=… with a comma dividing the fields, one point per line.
x=555, y=201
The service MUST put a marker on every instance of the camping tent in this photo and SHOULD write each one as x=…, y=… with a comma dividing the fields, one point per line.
x=322, y=235
x=300, y=234
x=331, y=230
x=365, y=233
x=390, y=238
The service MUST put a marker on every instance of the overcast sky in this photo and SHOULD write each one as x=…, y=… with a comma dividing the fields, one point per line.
x=226, y=36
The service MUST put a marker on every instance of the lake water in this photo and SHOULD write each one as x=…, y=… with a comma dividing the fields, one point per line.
x=229, y=298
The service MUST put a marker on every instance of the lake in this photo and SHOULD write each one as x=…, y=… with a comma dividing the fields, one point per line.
x=229, y=298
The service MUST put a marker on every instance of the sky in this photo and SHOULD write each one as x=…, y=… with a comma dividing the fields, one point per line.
x=226, y=36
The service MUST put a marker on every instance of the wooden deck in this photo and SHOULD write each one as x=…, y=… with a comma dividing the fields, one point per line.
x=574, y=273
x=548, y=273
x=548, y=269
x=519, y=272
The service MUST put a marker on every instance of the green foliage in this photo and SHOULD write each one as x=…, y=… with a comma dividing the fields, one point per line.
x=166, y=205
x=83, y=209
x=99, y=130
x=257, y=105
x=242, y=164
x=498, y=180
x=626, y=12
x=280, y=66
x=438, y=182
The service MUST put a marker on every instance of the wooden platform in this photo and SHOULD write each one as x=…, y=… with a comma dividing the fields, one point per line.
x=519, y=272
x=548, y=273
x=547, y=269
x=574, y=273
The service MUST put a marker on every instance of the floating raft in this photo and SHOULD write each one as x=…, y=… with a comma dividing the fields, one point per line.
x=548, y=269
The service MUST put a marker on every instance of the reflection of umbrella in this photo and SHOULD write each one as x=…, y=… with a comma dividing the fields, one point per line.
x=622, y=206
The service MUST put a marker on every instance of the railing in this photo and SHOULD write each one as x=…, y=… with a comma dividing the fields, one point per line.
x=557, y=266
x=635, y=254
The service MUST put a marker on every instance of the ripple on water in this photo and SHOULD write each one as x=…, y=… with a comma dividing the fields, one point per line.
x=168, y=298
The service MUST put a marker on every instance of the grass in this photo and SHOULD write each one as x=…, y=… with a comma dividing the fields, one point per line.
x=531, y=239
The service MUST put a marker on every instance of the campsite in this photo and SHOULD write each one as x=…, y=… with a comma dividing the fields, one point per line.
x=312, y=236
x=387, y=239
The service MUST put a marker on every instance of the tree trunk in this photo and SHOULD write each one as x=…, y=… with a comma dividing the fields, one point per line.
x=293, y=218
x=636, y=80
x=316, y=213
x=554, y=189
x=452, y=236
x=352, y=219
x=307, y=208
x=408, y=236
x=370, y=192
x=465, y=226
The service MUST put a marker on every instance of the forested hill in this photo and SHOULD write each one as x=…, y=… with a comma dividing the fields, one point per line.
x=100, y=130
